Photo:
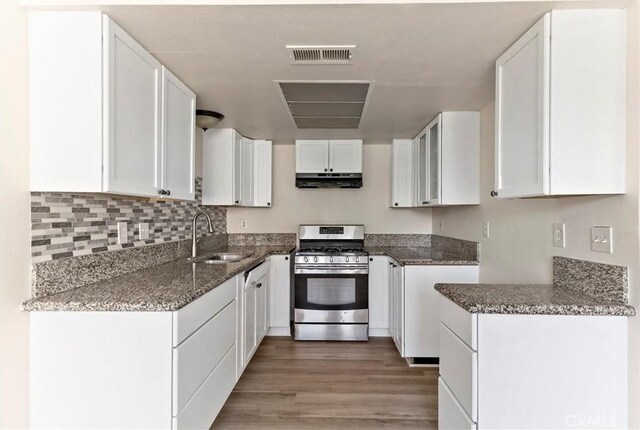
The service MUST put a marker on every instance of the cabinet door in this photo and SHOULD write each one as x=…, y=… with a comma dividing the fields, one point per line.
x=132, y=115
x=280, y=295
x=398, y=306
x=392, y=300
x=250, y=340
x=401, y=173
x=262, y=291
x=421, y=154
x=262, y=173
x=247, y=172
x=345, y=156
x=434, y=139
x=238, y=146
x=178, y=138
x=422, y=305
x=312, y=156
x=378, y=296
x=522, y=115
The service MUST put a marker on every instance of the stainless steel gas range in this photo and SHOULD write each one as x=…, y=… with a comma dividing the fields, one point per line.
x=331, y=288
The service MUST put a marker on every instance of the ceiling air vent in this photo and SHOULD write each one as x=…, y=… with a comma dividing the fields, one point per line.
x=338, y=54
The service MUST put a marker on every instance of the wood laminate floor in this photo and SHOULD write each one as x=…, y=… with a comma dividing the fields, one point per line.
x=331, y=385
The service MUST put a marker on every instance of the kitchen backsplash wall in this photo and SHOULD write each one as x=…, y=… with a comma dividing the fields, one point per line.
x=73, y=224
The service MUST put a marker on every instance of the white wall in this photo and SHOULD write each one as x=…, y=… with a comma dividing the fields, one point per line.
x=520, y=245
x=14, y=217
x=368, y=205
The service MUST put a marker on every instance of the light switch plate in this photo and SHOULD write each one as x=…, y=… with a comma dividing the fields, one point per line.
x=143, y=230
x=243, y=224
x=123, y=232
x=602, y=239
x=559, y=240
x=485, y=229
x=441, y=225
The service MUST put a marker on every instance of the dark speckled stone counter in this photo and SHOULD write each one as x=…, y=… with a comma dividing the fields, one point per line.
x=166, y=287
x=420, y=256
x=530, y=300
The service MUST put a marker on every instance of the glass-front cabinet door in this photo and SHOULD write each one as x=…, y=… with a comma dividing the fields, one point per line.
x=422, y=168
x=434, y=137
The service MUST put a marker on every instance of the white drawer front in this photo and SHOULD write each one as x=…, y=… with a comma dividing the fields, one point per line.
x=188, y=319
x=459, y=369
x=196, y=357
x=461, y=322
x=451, y=416
x=204, y=406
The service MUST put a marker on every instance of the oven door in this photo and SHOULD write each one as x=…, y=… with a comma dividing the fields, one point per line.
x=327, y=296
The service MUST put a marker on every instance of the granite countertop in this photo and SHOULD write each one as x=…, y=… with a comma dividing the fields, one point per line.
x=530, y=300
x=166, y=287
x=419, y=256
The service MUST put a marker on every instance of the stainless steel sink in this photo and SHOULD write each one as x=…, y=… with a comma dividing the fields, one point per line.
x=221, y=258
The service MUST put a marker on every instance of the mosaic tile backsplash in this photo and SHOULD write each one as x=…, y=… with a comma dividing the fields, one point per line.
x=73, y=224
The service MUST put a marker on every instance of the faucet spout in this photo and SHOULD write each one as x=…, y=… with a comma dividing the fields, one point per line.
x=194, y=233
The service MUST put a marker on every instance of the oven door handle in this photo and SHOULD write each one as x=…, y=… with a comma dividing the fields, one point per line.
x=355, y=270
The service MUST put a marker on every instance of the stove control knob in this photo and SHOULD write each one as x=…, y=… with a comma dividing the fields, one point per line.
x=347, y=259
x=315, y=259
x=331, y=259
x=306, y=259
x=357, y=259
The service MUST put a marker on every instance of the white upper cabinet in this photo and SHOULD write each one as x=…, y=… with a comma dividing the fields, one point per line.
x=561, y=107
x=103, y=116
x=454, y=159
x=440, y=166
x=236, y=171
x=402, y=184
x=262, y=173
x=312, y=156
x=132, y=84
x=222, y=167
x=178, y=137
x=329, y=156
x=345, y=156
x=246, y=173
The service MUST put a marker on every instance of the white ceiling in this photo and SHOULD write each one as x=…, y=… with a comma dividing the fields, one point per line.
x=423, y=58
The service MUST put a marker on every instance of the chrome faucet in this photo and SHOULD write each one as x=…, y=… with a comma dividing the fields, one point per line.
x=194, y=240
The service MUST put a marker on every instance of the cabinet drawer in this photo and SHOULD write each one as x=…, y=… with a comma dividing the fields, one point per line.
x=459, y=369
x=451, y=416
x=196, y=357
x=195, y=314
x=204, y=406
x=464, y=324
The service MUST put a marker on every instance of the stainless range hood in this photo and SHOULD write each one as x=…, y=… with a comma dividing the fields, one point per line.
x=328, y=180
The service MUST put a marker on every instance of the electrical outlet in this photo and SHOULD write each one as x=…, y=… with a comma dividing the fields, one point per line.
x=602, y=239
x=559, y=235
x=143, y=230
x=441, y=225
x=485, y=229
x=123, y=232
x=244, y=224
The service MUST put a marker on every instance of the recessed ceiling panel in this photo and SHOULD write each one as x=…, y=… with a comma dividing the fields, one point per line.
x=324, y=92
x=326, y=109
x=325, y=104
x=317, y=122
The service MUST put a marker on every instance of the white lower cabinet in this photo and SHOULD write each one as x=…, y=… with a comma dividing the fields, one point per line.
x=502, y=371
x=280, y=296
x=160, y=370
x=255, y=310
x=379, y=305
